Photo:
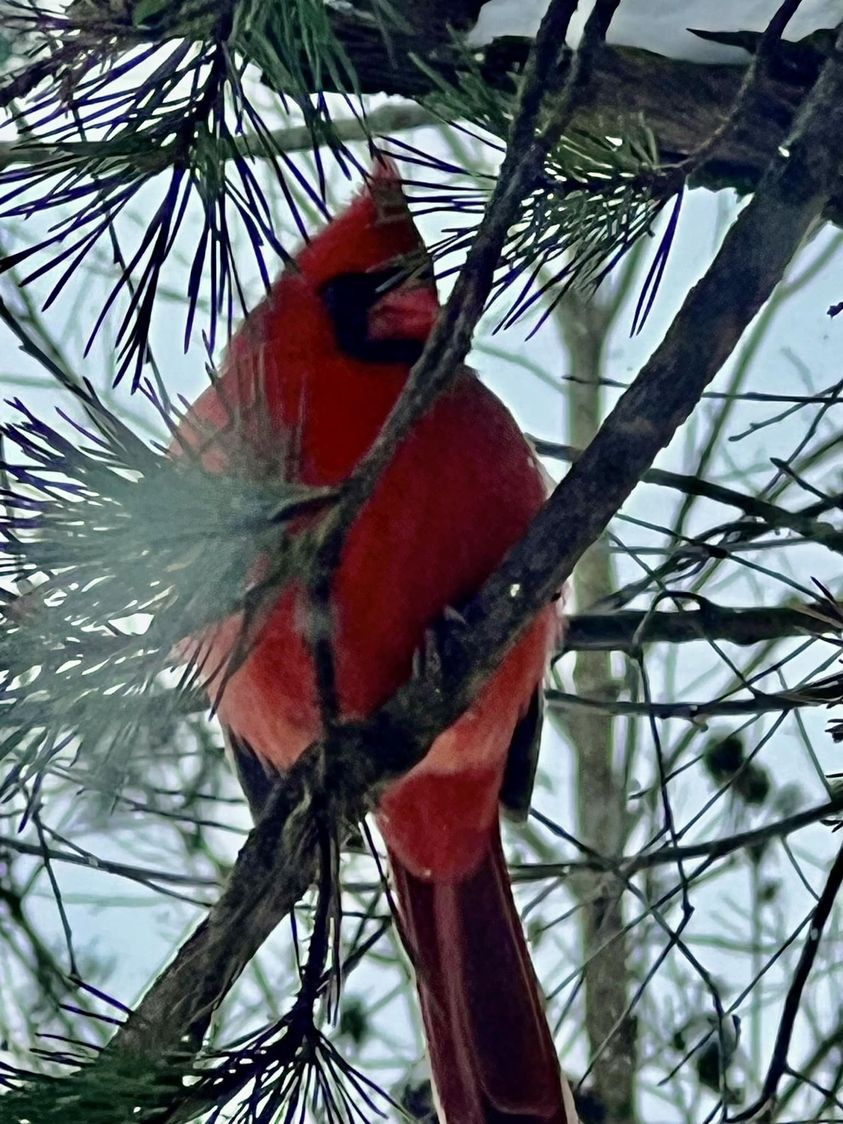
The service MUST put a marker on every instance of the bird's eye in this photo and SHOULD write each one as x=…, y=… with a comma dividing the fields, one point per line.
x=349, y=299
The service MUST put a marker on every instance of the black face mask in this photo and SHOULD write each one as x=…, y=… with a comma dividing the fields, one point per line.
x=349, y=299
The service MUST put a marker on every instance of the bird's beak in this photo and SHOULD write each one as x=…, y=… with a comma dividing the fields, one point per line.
x=407, y=312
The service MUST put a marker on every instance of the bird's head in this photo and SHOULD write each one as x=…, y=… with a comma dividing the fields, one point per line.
x=314, y=369
x=372, y=276
x=322, y=359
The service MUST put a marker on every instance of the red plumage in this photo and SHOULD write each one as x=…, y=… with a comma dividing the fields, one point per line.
x=307, y=383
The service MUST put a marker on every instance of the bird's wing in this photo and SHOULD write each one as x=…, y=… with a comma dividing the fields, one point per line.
x=256, y=776
x=522, y=759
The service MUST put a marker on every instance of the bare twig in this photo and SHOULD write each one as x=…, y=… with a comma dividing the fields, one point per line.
x=697, y=712
x=778, y=1061
x=628, y=629
x=770, y=515
x=746, y=96
x=146, y=876
x=628, y=865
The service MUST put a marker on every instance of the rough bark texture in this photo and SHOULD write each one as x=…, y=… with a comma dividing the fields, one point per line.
x=682, y=102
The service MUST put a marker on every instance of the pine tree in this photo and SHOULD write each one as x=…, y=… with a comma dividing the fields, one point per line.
x=164, y=162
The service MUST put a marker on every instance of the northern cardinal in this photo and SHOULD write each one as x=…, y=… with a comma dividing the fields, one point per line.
x=306, y=385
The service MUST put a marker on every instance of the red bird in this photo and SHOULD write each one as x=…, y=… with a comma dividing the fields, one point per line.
x=307, y=383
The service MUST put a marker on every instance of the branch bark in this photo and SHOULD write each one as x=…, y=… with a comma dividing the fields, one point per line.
x=682, y=102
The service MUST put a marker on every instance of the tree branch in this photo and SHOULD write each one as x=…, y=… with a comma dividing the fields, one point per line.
x=697, y=712
x=626, y=630
x=778, y=1061
x=803, y=523
x=627, y=866
x=682, y=102
x=381, y=121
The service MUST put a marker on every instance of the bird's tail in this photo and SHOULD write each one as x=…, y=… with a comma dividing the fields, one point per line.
x=490, y=1048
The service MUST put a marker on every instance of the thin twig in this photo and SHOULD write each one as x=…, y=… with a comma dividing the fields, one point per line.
x=146, y=876
x=743, y=103
x=384, y=120
x=697, y=712
x=803, y=523
x=628, y=629
x=778, y=1060
x=712, y=849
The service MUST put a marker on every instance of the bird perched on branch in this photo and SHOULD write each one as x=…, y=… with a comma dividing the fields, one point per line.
x=306, y=385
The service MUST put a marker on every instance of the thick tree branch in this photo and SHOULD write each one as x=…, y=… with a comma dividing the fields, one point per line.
x=682, y=102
